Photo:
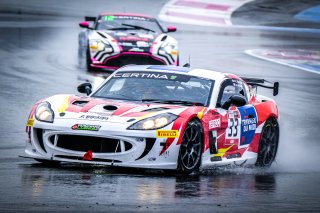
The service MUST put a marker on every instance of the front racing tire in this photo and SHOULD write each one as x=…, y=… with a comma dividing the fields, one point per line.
x=189, y=159
x=268, y=144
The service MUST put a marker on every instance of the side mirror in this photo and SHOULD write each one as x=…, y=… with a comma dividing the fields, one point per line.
x=171, y=29
x=236, y=100
x=84, y=24
x=85, y=88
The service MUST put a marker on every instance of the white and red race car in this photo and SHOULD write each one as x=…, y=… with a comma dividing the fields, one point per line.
x=161, y=117
x=118, y=39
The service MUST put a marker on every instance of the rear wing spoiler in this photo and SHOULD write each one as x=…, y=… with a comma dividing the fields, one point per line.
x=90, y=18
x=259, y=82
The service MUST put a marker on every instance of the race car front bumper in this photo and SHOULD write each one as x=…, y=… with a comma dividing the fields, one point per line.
x=138, y=149
x=124, y=58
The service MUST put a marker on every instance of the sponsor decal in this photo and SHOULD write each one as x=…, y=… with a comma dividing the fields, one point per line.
x=111, y=18
x=135, y=49
x=214, y=123
x=167, y=133
x=142, y=44
x=86, y=127
x=94, y=117
x=140, y=75
x=30, y=122
x=108, y=18
x=249, y=124
x=132, y=38
x=152, y=159
x=126, y=44
x=249, y=121
x=150, y=36
x=153, y=75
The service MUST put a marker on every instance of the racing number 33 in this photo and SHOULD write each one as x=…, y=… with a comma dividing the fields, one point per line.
x=233, y=124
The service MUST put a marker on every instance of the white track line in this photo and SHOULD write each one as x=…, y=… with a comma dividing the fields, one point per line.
x=251, y=52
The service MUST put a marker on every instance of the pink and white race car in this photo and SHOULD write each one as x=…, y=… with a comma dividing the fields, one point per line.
x=160, y=117
x=116, y=39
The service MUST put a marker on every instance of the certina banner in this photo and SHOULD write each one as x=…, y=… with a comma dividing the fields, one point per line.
x=86, y=127
x=153, y=75
x=167, y=133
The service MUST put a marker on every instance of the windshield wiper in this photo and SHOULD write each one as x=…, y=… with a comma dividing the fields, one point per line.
x=187, y=103
x=137, y=27
x=121, y=28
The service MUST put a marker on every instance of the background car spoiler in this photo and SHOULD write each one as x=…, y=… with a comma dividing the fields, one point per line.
x=90, y=18
x=262, y=83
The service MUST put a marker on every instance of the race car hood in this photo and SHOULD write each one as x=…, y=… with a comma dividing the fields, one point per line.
x=132, y=40
x=86, y=108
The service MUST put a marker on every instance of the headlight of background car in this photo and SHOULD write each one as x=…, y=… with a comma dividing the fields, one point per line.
x=44, y=112
x=170, y=49
x=98, y=45
x=155, y=122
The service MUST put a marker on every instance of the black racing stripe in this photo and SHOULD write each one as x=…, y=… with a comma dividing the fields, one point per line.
x=149, y=144
x=101, y=57
x=105, y=54
x=97, y=53
x=166, y=56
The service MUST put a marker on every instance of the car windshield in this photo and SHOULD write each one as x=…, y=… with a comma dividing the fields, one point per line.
x=157, y=87
x=111, y=22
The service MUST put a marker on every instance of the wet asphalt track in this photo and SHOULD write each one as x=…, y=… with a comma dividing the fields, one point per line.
x=40, y=57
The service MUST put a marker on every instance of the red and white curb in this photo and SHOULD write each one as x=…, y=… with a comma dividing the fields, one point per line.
x=200, y=12
x=307, y=60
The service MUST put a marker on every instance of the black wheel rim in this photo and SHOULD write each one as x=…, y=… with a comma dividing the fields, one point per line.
x=268, y=144
x=190, y=150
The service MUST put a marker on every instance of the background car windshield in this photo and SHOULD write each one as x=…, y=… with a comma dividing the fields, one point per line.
x=140, y=86
x=113, y=22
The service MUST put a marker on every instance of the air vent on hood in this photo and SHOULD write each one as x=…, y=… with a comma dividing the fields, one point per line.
x=80, y=103
x=155, y=109
x=110, y=107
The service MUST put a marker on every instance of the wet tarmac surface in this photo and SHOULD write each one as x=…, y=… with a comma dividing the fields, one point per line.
x=40, y=58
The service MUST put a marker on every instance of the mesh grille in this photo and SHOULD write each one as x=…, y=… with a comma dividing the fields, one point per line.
x=95, y=144
x=123, y=60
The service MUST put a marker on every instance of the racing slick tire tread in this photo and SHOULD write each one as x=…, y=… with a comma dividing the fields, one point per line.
x=268, y=144
x=189, y=159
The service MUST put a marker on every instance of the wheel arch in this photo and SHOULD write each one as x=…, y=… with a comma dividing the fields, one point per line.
x=199, y=121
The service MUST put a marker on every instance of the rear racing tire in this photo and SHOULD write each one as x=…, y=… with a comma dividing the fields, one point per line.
x=189, y=159
x=268, y=144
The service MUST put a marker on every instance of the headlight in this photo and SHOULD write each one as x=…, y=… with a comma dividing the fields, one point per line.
x=44, y=112
x=170, y=49
x=97, y=45
x=155, y=122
